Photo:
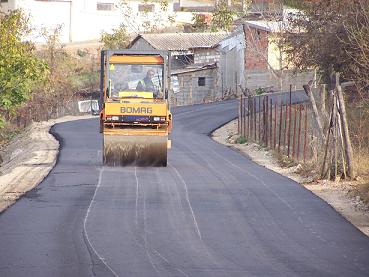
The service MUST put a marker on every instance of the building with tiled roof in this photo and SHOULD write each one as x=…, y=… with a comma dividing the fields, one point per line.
x=205, y=66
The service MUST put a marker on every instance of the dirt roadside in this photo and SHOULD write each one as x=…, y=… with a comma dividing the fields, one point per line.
x=28, y=159
x=338, y=195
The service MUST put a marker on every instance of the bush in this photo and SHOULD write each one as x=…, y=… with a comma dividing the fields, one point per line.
x=241, y=140
x=259, y=91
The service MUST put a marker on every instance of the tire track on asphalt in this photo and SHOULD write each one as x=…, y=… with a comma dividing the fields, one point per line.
x=212, y=170
x=101, y=258
x=188, y=200
x=205, y=246
x=146, y=244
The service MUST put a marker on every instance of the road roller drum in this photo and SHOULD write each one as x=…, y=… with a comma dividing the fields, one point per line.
x=122, y=150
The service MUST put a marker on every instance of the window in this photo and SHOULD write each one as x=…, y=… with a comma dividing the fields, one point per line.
x=105, y=6
x=126, y=78
x=258, y=35
x=201, y=82
x=146, y=8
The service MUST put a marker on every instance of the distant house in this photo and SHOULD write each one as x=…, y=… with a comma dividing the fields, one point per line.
x=205, y=66
x=186, y=48
x=265, y=66
x=261, y=50
x=84, y=20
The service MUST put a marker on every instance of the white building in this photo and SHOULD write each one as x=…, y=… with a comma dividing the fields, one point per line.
x=84, y=20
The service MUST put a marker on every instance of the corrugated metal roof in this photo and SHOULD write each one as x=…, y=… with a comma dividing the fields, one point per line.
x=182, y=41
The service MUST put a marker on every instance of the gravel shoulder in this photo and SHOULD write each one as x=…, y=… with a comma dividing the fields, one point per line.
x=28, y=159
x=338, y=195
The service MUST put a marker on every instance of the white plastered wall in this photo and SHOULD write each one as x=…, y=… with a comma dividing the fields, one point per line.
x=81, y=21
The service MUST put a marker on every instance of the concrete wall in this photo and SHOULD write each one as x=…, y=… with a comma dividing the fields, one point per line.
x=265, y=79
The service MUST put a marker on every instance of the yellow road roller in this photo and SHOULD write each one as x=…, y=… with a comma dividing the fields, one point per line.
x=135, y=119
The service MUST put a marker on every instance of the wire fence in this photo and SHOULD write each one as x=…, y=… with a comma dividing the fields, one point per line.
x=282, y=122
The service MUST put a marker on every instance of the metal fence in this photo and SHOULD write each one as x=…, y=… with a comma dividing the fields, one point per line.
x=281, y=121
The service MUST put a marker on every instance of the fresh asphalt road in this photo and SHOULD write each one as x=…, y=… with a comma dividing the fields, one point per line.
x=211, y=212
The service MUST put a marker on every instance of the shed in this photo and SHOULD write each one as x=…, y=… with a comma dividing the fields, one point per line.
x=181, y=45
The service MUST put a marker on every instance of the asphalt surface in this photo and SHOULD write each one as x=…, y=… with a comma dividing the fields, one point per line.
x=211, y=212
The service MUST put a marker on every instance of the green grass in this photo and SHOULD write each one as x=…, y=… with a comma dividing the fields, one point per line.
x=241, y=140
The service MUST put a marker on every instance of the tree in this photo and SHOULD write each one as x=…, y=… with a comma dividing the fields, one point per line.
x=20, y=69
x=70, y=76
x=148, y=19
x=222, y=17
x=118, y=39
x=201, y=22
x=357, y=44
x=329, y=36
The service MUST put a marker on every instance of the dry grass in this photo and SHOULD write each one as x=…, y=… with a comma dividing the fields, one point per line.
x=361, y=161
x=8, y=132
x=358, y=116
x=363, y=190
x=283, y=160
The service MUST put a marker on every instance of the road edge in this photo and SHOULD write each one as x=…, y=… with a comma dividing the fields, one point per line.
x=333, y=195
x=35, y=155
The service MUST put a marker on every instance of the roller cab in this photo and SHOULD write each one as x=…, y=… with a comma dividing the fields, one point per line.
x=135, y=119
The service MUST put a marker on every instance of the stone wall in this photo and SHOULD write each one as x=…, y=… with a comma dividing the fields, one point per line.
x=190, y=92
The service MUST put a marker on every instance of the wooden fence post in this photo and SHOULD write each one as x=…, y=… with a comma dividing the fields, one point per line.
x=259, y=112
x=289, y=123
x=254, y=119
x=280, y=126
x=345, y=133
x=305, y=132
x=239, y=118
x=299, y=133
x=294, y=132
x=285, y=126
x=275, y=124
x=317, y=118
x=323, y=97
x=271, y=124
x=241, y=115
